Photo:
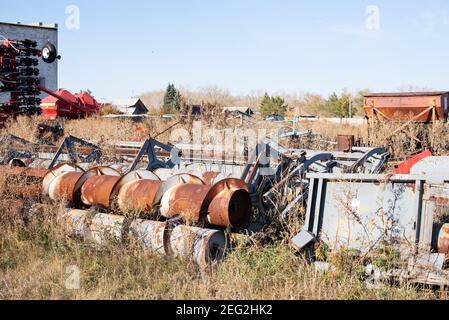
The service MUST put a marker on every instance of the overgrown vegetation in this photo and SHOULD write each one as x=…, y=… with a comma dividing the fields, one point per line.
x=37, y=261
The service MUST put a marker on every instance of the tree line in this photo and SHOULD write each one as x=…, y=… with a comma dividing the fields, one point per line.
x=342, y=105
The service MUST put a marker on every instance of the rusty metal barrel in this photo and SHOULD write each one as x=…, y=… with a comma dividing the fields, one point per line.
x=226, y=203
x=96, y=191
x=184, y=200
x=97, y=186
x=60, y=181
x=136, y=191
x=443, y=239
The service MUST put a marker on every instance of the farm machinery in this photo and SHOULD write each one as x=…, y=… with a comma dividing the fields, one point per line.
x=64, y=104
x=19, y=78
x=19, y=75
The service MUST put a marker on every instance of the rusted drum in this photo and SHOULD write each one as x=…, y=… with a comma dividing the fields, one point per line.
x=230, y=208
x=136, y=191
x=345, y=143
x=97, y=190
x=93, y=172
x=52, y=188
x=443, y=239
x=138, y=196
x=228, y=203
x=63, y=186
x=184, y=200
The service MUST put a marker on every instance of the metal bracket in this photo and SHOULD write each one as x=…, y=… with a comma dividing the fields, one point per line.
x=149, y=149
x=68, y=145
x=11, y=153
x=368, y=156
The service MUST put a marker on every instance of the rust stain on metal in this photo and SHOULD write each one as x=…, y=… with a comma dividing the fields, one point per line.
x=230, y=208
x=228, y=203
x=63, y=186
x=404, y=106
x=443, y=239
x=97, y=190
x=138, y=195
x=345, y=143
x=209, y=177
x=184, y=200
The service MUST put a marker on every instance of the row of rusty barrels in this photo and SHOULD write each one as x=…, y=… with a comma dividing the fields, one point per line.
x=225, y=203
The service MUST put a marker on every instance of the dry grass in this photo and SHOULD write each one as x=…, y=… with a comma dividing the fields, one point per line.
x=35, y=258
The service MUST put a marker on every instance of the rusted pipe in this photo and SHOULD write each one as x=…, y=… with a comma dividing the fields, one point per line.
x=136, y=191
x=97, y=190
x=184, y=200
x=443, y=240
x=226, y=203
x=203, y=246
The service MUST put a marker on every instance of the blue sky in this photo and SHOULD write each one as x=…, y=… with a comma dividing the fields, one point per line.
x=124, y=48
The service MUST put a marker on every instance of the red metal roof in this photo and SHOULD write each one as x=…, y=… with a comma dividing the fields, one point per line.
x=407, y=94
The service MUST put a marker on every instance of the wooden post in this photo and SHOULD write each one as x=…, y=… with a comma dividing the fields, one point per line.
x=433, y=124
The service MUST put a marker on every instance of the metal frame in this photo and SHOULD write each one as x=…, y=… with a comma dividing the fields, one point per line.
x=68, y=145
x=11, y=153
x=149, y=149
x=318, y=195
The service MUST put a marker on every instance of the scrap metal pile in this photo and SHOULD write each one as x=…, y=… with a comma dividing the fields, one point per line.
x=170, y=200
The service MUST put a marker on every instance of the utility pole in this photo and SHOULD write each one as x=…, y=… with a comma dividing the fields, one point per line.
x=350, y=108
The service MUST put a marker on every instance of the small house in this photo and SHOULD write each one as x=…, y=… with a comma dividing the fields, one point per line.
x=130, y=106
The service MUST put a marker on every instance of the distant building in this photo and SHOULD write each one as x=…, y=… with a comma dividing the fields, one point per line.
x=275, y=118
x=130, y=106
x=42, y=34
x=236, y=111
x=195, y=110
x=423, y=107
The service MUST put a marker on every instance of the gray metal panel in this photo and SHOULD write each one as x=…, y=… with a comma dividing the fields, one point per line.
x=359, y=215
x=435, y=168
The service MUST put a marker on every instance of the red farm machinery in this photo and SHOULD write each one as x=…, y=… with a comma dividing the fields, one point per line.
x=19, y=77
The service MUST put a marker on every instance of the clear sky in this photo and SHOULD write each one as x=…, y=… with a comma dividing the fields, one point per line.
x=125, y=48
